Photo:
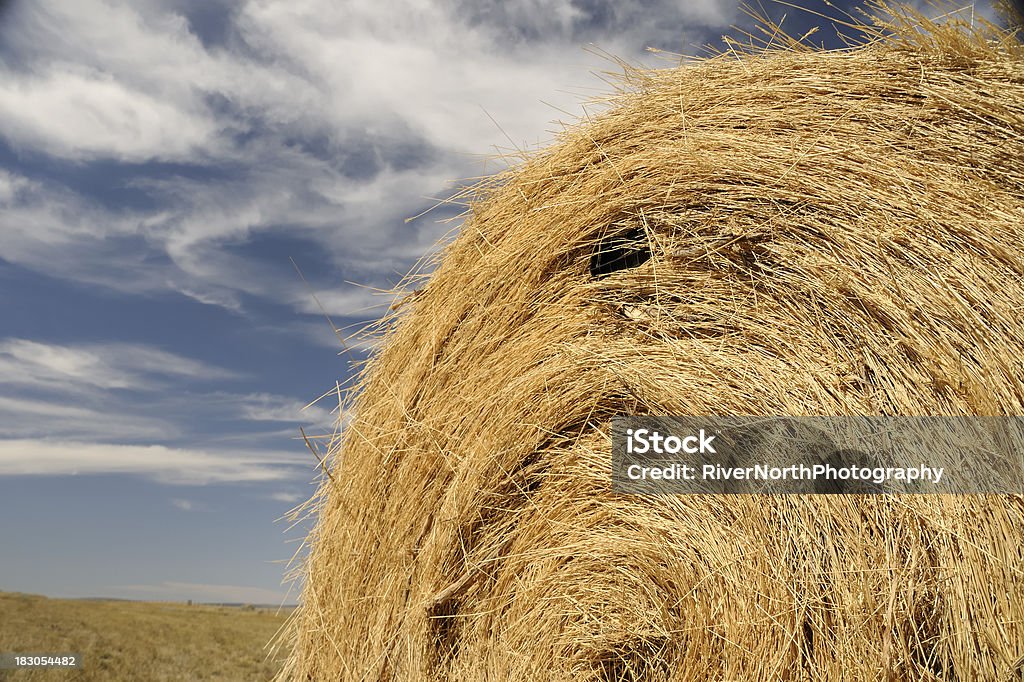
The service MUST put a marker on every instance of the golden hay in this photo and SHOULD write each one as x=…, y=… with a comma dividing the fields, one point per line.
x=831, y=233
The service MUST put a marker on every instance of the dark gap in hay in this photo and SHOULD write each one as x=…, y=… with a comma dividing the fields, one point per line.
x=924, y=640
x=441, y=347
x=817, y=629
x=498, y=508
x=512, y=494
x=641, y=658
x=529, y=473
x=807, y=648
x=872, y=309
x=620, y=251
x=445, y=634
x=925, y=651
x=505, y=501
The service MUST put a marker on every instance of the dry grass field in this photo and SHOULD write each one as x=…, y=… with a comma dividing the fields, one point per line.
x=125, y=640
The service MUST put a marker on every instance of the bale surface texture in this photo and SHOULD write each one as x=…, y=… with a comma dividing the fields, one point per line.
x=829, y=233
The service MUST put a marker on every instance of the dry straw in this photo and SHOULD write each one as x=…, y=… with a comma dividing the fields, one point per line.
x=829, y=233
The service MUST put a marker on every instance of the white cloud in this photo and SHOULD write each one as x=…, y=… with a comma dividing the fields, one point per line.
x=46, y=215
x=10, y=186
x=127, y=397
x=128, y=81
x=289, y=498
x=169, y=465
x=95, y=366
x=63, y=417
x=347, y=301
x=77, y=113
x=275, y=408
x=213, y=296
x=183, y=504
x=382, y=65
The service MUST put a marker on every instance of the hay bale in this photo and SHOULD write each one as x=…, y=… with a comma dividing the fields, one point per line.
x=794, y=232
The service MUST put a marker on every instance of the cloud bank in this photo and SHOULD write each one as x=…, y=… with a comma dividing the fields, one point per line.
x=123, y=408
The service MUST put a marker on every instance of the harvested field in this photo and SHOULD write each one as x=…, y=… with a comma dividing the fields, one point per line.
x=130, y=641
x=784, y=232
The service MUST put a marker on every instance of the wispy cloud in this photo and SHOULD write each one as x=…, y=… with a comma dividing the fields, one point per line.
x=297, y=122
x=130, y=408
x=98, y=366
x=350, y=301
x=175, y=466
x=107, y=432
x=11, y=185
x=273, y=408
x=22, y=417
x=71, y=111
x=185, y=505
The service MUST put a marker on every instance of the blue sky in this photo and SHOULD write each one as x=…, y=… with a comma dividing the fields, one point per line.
x=162, y=162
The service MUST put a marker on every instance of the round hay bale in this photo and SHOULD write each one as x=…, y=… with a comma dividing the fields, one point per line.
x=791, y=232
